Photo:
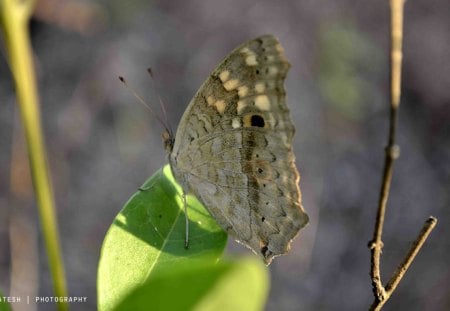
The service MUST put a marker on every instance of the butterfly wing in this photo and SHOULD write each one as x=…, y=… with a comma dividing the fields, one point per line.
x=233, y=149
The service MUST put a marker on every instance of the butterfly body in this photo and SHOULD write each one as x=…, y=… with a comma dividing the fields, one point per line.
x=233, y=149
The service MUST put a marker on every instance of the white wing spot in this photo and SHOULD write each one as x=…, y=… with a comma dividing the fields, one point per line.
x=262, y=102
x=260, y=87
x=231, y=84
x=240, y=106
x=250, y=60
x=210, y=100
x=273, y=70
x=236, y=123
x=242, y=91
x=250, y=57
x=220, y=106
x=224, y=75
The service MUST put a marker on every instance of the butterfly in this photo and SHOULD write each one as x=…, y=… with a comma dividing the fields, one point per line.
x=233, y=149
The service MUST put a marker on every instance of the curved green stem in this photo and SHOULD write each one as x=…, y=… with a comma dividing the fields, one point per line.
x=14, y=18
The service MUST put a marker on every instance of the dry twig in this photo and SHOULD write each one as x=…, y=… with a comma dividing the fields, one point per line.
x=382, y=293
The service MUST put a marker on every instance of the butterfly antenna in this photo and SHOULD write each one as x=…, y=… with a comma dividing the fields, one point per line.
x=142, y=101
x=161, y=103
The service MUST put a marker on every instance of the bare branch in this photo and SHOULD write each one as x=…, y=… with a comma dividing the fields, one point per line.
x=382, y=293
x=428, y=226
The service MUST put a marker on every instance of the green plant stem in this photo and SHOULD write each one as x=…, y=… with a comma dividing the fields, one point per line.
x=14, y=21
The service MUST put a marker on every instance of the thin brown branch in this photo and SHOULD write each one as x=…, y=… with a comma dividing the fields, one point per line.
x=392, y=153
x=382, y=293
x=392, y=150
x=427, y=227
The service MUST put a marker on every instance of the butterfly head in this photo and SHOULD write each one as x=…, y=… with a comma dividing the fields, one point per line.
x=168, y=140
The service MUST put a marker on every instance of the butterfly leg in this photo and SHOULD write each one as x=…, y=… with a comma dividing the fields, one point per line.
x=186, y=241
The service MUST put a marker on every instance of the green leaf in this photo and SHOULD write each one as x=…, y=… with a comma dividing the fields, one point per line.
x=4, y=306
x=241, y=285
x=148, y=236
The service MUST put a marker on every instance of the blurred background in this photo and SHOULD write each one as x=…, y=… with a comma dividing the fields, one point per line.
x=103, y=144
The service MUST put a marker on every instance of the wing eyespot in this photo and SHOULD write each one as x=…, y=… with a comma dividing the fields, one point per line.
x=257, y=120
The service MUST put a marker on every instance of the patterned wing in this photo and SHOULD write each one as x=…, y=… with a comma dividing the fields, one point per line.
x=233, y=149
